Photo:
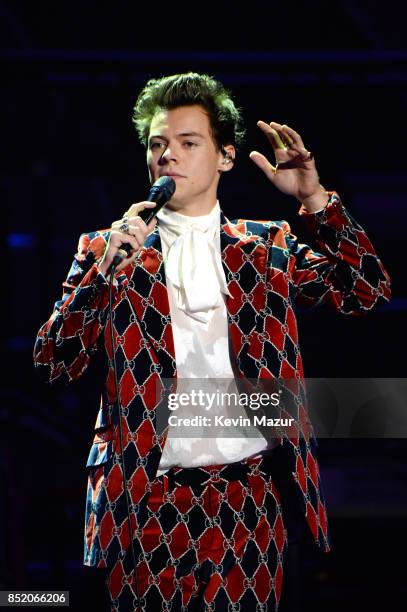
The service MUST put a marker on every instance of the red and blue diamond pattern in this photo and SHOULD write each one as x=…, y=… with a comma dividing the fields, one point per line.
x=268, y=272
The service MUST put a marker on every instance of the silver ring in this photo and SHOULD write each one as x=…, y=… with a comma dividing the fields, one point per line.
x=124, y=227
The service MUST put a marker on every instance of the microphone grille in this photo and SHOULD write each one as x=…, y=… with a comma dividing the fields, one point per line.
x=165, y=184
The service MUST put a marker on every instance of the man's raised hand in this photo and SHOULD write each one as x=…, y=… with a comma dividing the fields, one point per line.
x=294, y=172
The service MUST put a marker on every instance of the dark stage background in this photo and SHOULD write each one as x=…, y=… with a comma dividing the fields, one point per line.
x=336, y=72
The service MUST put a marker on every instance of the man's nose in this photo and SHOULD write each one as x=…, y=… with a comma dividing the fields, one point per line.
x=168, y=155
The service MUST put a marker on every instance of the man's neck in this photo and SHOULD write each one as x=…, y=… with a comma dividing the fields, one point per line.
x=192, y=209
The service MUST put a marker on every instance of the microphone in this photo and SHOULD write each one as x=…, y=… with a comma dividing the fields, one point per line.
x=160, y=193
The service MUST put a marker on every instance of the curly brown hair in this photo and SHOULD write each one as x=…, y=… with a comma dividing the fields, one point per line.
x=186, y=89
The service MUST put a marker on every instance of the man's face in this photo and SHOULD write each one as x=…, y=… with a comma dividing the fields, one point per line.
x=181, y=145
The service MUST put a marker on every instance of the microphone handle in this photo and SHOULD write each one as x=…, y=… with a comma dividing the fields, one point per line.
x=155, y=195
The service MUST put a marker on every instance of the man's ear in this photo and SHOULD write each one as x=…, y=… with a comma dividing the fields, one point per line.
x=228, y=153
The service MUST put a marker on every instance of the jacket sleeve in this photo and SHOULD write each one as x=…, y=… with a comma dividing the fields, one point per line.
x=65, y=343
x=347, y=273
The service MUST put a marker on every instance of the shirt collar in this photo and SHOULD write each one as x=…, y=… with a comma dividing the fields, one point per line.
x=175, y=220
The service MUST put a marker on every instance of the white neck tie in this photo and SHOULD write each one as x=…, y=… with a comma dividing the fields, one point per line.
x=193, y=263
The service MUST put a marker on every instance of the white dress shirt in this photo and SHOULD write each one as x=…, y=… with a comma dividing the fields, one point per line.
x=197, y=288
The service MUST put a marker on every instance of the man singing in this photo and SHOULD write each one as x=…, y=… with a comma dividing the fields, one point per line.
x=201, y=523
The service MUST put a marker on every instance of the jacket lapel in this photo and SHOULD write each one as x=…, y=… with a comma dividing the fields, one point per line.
x=244, y=264
x=146, y=289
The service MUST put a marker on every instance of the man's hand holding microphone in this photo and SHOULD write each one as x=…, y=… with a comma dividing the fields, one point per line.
x=128, y=235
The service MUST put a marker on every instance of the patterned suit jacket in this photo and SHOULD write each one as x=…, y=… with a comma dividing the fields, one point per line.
x=268, y=271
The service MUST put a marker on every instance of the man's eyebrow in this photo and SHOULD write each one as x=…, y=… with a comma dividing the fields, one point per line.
x=182, y=134
x=191, y=134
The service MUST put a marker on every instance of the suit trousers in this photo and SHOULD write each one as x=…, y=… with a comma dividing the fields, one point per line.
x=214, y=540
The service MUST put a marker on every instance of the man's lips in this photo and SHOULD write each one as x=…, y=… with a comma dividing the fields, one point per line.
x=173, y=175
